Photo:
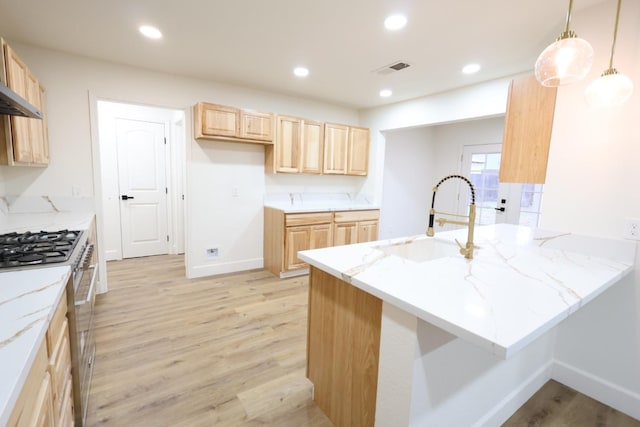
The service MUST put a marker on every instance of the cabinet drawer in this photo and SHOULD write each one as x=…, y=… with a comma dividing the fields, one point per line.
x=292, y=220
x=354, y=216
x=59, y=317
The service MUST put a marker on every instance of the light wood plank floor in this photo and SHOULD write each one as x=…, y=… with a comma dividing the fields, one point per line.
x=226, y=351
x=230, y=351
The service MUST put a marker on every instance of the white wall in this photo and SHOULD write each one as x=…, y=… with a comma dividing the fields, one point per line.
x=408, y=179
x=213, y=168
x=592, y=185
x=415, y=160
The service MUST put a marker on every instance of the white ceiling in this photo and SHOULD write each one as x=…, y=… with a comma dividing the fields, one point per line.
x=256, y=43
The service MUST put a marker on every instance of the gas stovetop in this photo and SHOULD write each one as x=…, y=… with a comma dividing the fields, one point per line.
x=39, y=248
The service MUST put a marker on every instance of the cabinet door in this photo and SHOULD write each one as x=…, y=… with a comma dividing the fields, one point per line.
x=258, y=126
x=527, y=131
x=320, y=236
x=296, y=239
x=312, y=147
x=17, y=75
x=367, y=231
x=36, y=127
x=218, y=120
x=345, y=233
x=358, y=151
x=336, y=139
x=43, y=408
x=288, y=144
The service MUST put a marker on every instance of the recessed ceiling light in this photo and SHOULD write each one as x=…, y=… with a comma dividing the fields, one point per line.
x=301, y=71
x=395, y=22
x=385, y=93
x=471, y=68
x=150, y=32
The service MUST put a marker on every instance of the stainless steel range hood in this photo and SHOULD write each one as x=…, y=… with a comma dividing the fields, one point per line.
x=13, y=104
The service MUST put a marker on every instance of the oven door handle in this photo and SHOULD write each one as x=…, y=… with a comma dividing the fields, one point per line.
x=91, y=286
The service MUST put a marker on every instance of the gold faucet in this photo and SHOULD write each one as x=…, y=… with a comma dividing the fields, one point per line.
x=466, y=250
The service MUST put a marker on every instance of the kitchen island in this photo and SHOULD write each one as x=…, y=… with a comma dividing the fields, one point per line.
x=402, y=331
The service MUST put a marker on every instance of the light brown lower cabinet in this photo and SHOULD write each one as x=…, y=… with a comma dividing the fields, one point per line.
x=343, y=349
x=46, y=397
x=302, y=238
x=355, y=227
x=285, y=234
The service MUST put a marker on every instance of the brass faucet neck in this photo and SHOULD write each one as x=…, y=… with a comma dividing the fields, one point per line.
x=466, y=250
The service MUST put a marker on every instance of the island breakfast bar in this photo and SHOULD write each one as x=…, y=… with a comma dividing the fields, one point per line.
x=402, y=331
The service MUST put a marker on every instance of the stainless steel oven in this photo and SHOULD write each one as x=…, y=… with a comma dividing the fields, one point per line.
x=85, y=275
x=81, y=302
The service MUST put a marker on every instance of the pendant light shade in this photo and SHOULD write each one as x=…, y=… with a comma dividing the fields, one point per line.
x=611, y=88
x=565, y=61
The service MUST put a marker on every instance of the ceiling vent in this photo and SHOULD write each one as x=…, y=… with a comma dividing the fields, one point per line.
x=392, y=68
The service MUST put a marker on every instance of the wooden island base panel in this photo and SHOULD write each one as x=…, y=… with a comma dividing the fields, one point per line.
x=343, y=349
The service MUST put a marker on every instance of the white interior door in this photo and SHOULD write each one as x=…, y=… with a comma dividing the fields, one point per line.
x=497, y=202
x=143, y=188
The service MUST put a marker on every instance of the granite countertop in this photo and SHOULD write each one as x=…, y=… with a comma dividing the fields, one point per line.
x=520, y=283
x=28, y=299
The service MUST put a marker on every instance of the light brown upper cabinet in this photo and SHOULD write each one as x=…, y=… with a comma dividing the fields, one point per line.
x=298, y=146
x=23, y=141
x=527, y=131
x=212, y=121
x=346, y=150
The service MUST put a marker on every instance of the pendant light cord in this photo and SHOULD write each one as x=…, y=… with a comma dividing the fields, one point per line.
x=615, y=35
x=566, y=27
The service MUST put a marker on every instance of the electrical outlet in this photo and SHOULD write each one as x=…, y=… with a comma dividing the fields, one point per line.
x=213, y=253
x=632, y=228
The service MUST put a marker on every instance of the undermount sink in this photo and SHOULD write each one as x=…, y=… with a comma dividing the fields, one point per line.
x=421, y=250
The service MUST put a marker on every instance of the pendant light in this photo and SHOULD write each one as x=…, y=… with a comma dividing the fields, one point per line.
x=611, y=88
x=565, y=61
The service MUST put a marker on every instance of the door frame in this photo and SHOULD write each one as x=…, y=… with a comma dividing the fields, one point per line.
x=175, y=120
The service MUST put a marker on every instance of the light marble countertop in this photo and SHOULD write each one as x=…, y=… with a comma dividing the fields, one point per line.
x=47, y=221
x=28, y=299
x=520, y=284
x=320, y=207
x=317, y=202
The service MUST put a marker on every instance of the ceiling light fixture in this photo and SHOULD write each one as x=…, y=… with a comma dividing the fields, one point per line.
x=395, y=22
x=301, y=71
x=385, y=93
x=471, y=68
x=565, y=61
x=150, y=32
x=611, y=88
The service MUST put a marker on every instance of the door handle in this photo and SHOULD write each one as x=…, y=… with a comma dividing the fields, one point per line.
x=125, y=197
x=502, y=209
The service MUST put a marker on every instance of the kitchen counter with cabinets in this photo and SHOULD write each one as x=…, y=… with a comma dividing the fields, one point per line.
x=28, y=299
x=33, y=306
x=520, y=284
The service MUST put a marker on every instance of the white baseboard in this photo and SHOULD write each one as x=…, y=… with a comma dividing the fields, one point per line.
x=617, y=397
x=514, y=400
x=224, y=268
x=602, y=390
